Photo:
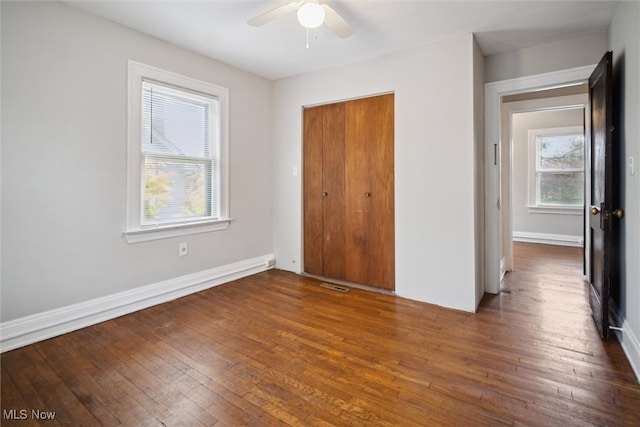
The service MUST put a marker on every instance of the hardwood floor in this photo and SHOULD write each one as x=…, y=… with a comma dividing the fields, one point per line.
x=277, y=349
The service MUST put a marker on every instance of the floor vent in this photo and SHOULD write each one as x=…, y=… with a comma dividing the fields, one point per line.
x=334, y=287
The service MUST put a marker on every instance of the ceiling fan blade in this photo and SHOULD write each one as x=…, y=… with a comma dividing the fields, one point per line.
x=336, y=22
x=274, y=13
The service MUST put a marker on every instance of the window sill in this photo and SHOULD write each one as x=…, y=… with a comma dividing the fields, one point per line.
x=556, y=210
x=145, y=234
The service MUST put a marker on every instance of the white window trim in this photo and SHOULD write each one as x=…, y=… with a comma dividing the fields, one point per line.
x=136, y=232
x=533, y=207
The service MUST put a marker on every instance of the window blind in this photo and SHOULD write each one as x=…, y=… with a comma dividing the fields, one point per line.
x=179, y=154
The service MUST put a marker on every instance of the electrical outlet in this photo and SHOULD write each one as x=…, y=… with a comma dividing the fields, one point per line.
x=271, y=262
x=183, y=249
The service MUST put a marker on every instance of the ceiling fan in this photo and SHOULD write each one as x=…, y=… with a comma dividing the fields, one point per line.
x=311, y=14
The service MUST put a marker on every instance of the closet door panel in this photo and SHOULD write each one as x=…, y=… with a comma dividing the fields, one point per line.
x=333, y=138
x=313, y=188
x=381, y=231
x=357, y=185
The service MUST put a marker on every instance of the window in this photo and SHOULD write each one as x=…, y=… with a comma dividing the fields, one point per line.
x=556, y=168
x=177, y=146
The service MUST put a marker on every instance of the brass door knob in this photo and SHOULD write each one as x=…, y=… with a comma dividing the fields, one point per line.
x=618, y=213
x=595, y=210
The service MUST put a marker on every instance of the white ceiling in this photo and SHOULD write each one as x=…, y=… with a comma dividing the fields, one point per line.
x=219, y=28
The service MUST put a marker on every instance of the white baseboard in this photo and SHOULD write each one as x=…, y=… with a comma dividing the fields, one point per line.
x=548, y=239
x=28, y=330
x=630, y=344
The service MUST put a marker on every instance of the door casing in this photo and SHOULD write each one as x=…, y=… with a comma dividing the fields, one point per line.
x=495, y=139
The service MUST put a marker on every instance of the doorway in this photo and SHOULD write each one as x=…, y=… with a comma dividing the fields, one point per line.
x=496, y=145
x=542, y=169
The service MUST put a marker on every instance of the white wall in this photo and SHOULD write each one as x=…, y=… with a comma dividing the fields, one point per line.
x=624, y=36
x=544, y=58
x=525, y=221
x=434, y=164
x=64, y=116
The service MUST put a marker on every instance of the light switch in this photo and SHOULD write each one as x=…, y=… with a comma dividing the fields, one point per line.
x=632, y=170
x=295, y=171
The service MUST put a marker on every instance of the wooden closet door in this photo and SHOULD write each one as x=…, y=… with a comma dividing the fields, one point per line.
x=324, y=206
x=381, y=150
x=333, y=207
x=313, y=188
x=357, y=185
x=369, y=172
x=348, y=203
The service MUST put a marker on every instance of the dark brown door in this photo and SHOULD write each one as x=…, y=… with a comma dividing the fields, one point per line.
x=602, y=203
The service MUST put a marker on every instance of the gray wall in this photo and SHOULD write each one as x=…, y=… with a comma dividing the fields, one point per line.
x=544, y=58
x=64, y=116
x=625, y=43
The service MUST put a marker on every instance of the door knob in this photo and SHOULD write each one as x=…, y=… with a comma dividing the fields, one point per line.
x=618, y=213
x=325, y=194
x=367, y=194
x=595, y=210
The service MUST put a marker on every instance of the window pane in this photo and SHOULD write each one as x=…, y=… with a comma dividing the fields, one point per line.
x=175, y=122
x=176, y=190
x=560, y=152
x=561, y=188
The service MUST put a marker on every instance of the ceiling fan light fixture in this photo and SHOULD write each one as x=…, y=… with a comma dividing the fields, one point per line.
x=310, y=15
